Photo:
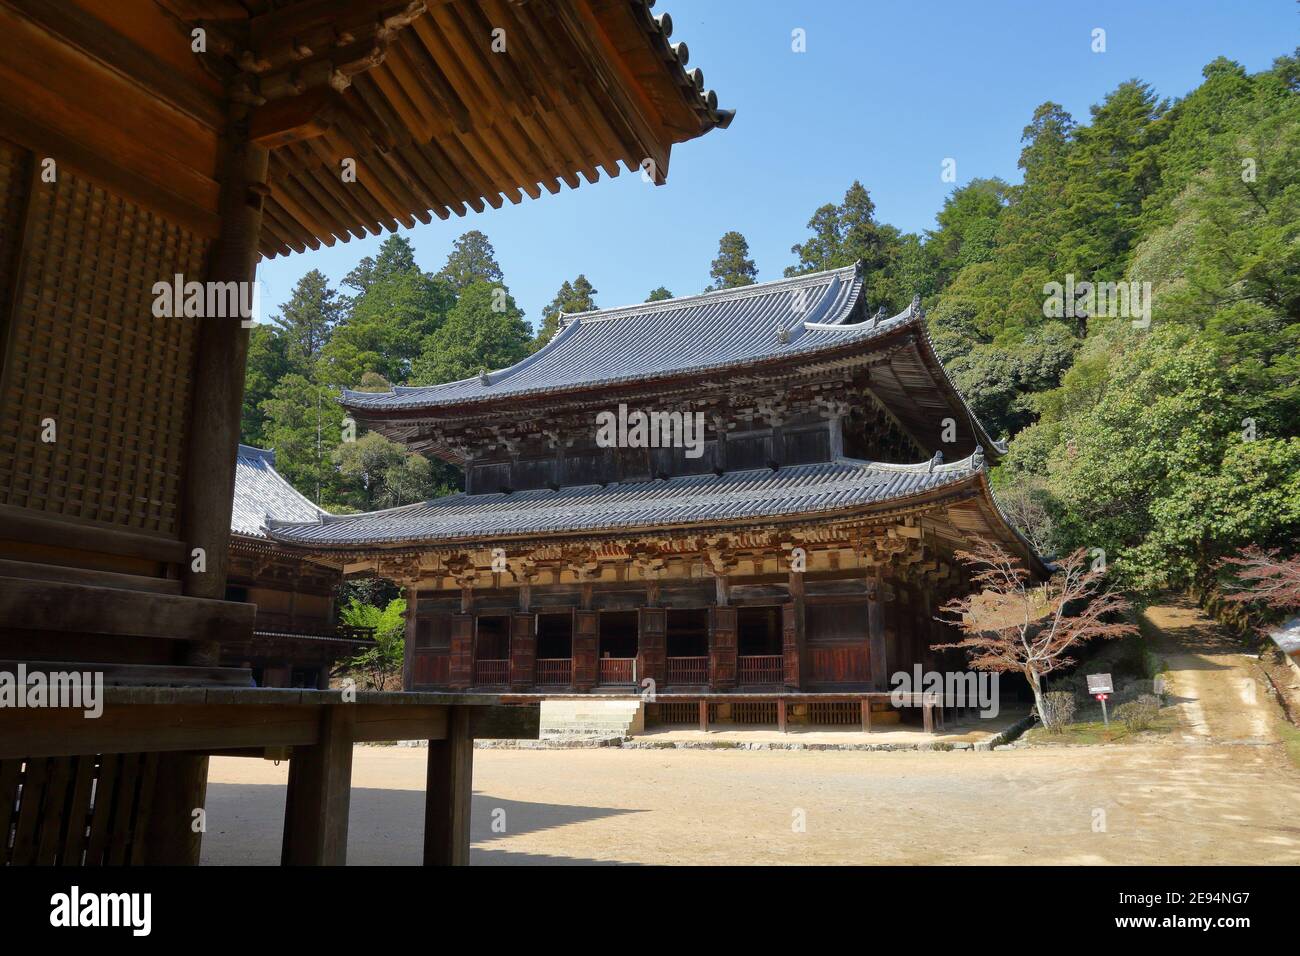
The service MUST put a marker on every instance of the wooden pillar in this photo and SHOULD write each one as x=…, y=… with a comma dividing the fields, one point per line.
x=780, y=714
x=652, y=644
x=794, y=643
x=218, y=383
x=460, y=667
x=586, y=632
x=412, y=630
x=320, y=792
x=927, y=714
x=180, y=788
x=876, y=632
x=449, y=790
x=722, y=648
x=866, y=715
x=704, y=715
x=523, y=651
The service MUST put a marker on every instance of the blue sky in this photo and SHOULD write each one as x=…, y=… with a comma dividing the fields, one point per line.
x=885, y=92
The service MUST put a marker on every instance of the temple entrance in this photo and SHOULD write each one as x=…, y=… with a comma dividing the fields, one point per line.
x=688, y=646
x=759, y=661
x=555, y=650
x=838, y=644
x=492, y=651
x=617, y=647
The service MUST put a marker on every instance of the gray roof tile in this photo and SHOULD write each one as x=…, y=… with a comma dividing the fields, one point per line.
x=762, y=493
x=790, y=317
x=262, y=492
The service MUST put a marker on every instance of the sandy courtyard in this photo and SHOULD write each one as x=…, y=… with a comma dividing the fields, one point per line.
x=1220, y=791
x=1161, y=804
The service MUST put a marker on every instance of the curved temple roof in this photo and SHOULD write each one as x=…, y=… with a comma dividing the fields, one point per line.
x=800, y=318
x=793, y=491
x=262, y=493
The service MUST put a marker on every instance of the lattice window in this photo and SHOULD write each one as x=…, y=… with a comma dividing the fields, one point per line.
x=88, y=352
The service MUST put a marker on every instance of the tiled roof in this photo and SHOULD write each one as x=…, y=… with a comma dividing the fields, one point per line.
x=262, y=492
x=684, y=500
x=791, y=317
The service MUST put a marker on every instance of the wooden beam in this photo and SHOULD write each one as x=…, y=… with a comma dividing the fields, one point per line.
x=61, y=732
x=449, y=792
x=292, y=118
x=319, y=795
x=78, y=608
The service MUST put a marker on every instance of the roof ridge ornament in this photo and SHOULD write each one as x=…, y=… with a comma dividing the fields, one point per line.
x=915, y=311
x=936, y=461
x=977, y=458
x=483, y=377
x=782, y=334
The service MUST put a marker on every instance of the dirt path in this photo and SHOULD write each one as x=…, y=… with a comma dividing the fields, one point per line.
x=1219, y=792
x=1220, y=690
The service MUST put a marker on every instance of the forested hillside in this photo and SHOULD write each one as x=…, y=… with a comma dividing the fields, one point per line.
x=1166, y=437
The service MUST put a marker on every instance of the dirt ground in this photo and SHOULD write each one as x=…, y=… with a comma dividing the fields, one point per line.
x=1221, y=791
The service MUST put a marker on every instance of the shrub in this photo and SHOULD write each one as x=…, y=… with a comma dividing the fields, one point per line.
x=1138, y=714
x=1059, y=709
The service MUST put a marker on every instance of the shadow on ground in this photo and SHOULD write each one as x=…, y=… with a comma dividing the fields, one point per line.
x=385, y=827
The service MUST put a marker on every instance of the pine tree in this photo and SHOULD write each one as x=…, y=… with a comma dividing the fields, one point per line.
x=573, y=297
x=308, y=319
x=733, y=267
x=658, y=295
x=472, y=259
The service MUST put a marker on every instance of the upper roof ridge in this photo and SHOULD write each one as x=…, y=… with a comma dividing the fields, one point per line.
x=713, y=295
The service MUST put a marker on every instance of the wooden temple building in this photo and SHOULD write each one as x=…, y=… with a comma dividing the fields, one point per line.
x=296, y=635
x=793, y=550
x=144, y=142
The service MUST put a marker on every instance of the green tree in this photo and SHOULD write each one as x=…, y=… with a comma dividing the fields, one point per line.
x=304, y=425
x=308, y=319
x=484, y=330
x=573, y=297
x=732, y=267
x=376, y=473
x=472, y=259
x=268, y=362
x=658, y=295
x=381, y=664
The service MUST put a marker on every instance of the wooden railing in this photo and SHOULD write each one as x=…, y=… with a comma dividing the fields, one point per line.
x=554, y=671
x=760, y=669
x=618, y=670
x=688, y=670
x=279, y=626
x=490, y=673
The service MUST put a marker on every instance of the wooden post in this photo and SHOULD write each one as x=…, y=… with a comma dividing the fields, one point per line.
x=222, y=348
x=180, y=788
x=449, y=790
x=408, y=658
x=704, y=715
x=866, y=715
x=320, y=792
x=927, y=715
x=794, y=642
x=876, y=632
x=780, y=714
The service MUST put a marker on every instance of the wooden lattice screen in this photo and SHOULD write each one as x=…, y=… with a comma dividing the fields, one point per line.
x=76, y=811
x=86, y=351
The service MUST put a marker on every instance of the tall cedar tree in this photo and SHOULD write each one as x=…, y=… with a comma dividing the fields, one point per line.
x=732, y=267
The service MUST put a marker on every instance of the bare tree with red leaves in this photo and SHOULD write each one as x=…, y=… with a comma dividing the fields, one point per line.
x=1263, y=576
x=1014, y=624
